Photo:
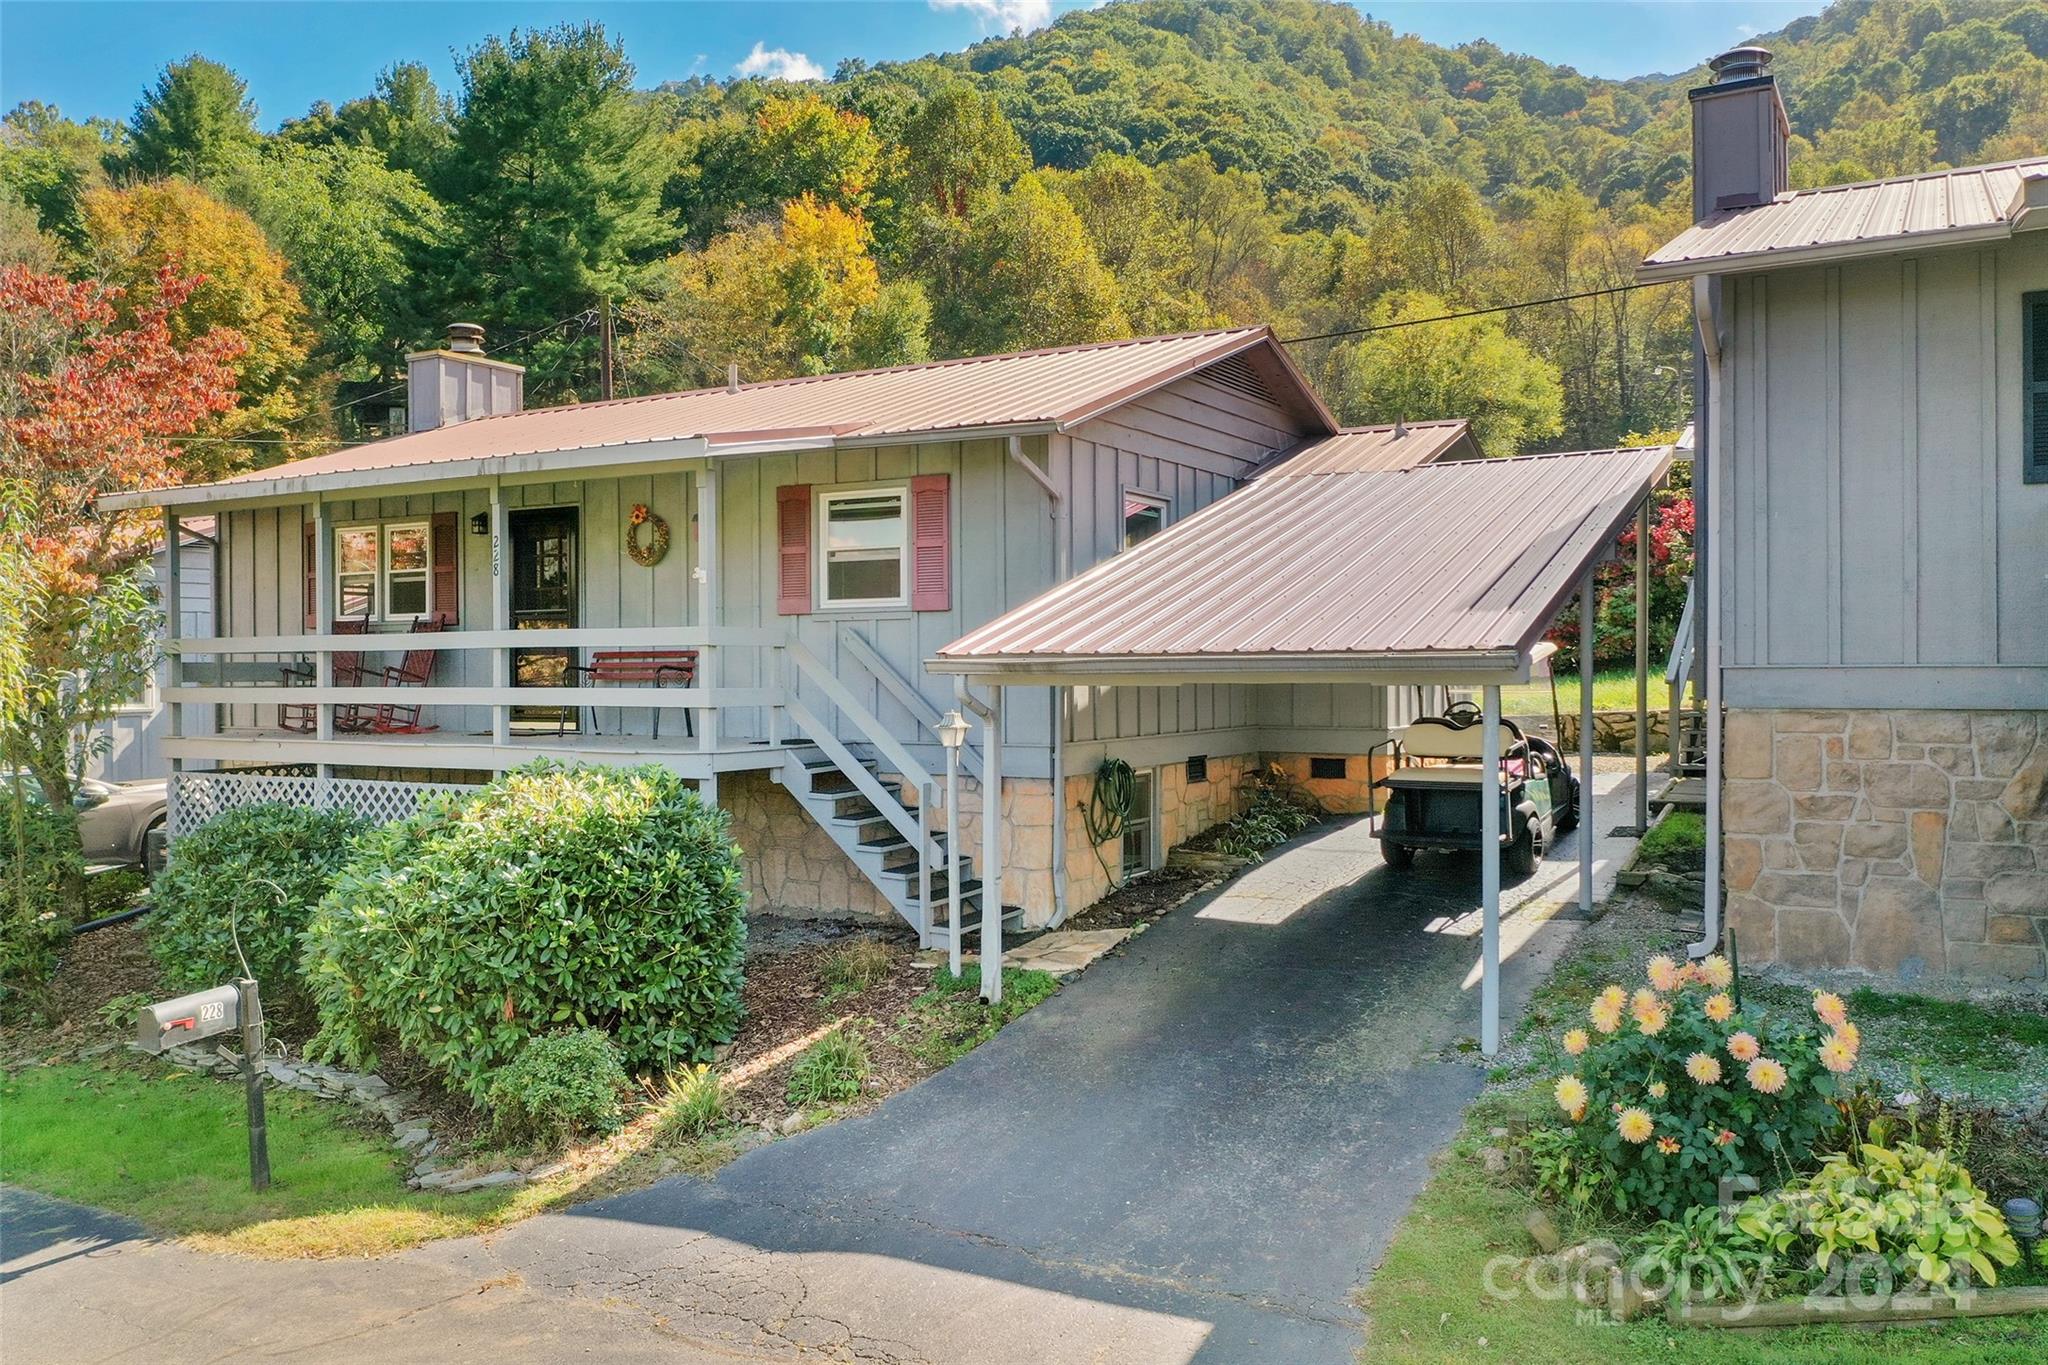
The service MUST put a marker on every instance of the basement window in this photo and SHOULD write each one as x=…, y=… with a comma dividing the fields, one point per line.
x=1138, y=857
x=1198, y=768
x=1326, y=769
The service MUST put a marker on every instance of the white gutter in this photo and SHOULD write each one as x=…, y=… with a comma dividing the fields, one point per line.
x=1717, y=479
x=1062, y=557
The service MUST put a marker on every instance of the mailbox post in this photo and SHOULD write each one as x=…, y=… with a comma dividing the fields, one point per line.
x=252, y=1082
x=204, y=1014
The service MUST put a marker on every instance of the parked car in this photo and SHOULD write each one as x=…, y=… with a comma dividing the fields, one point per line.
x=1433, y=791
x=122, y=824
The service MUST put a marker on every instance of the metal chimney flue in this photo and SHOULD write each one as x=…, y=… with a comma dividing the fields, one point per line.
x=459, y=382
x=1740, y=134
x=1740, y=64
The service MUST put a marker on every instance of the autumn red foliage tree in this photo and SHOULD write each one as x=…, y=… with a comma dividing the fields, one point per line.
x=90, y=404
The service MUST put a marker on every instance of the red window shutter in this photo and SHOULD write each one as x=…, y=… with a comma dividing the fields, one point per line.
x=447, y=594
x=311, y=592
x=793, y=549
x=931, y=543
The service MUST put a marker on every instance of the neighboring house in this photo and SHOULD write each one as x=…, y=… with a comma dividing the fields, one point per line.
x=135, y=734
x=824, y=537
x=1874, y=450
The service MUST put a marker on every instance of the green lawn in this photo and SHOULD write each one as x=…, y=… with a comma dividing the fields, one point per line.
x=1428, y=1299
x=1614, y=689
x=171, y=1150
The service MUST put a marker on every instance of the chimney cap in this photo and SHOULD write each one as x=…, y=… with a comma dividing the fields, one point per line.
x=465, y=336
x=1740, y=64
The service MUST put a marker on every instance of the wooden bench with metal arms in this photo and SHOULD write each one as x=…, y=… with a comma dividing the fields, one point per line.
x=641, y=668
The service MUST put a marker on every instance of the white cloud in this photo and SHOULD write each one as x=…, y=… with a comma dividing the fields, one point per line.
x=1004, y=15
x=779, y=64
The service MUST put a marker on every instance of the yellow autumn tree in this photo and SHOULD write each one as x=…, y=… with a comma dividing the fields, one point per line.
x=133, y=233
x=801, y=295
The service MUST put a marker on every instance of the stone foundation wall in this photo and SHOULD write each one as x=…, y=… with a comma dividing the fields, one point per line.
x=1185, y=810
x=1912, y=843
x=794, y=868
x=1614, y=732
x=1346, y=795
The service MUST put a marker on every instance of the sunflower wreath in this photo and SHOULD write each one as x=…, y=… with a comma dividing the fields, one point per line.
x=651, y=554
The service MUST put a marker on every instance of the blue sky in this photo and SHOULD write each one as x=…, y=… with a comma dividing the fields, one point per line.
x=95, y=58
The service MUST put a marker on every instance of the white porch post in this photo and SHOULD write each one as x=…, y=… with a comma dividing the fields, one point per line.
x=1587, y=604
x=173, y=667
x=323, y=624
x=1489, y=872
x=707, y=604
x=501, y=610
x=1643, y=667
x=992, y=849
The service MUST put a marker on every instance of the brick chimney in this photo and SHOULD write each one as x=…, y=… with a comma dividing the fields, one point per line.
x=460, y=382
x=1739, y=134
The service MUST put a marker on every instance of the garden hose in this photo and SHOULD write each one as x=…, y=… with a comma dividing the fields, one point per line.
x=1108, y=808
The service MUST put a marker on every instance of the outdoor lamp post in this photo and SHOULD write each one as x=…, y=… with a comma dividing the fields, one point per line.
x=952, y=730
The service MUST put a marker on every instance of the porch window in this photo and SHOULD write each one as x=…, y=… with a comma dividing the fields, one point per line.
x=1144, y=516
x=864, y=539
x=383, y=572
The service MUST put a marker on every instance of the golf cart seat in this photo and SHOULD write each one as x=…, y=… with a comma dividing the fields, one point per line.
x=1436, y=737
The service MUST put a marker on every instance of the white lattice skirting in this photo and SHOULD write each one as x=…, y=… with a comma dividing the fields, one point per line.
x=198, y=797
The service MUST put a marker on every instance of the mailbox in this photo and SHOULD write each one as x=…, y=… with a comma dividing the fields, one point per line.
x=188, y=1018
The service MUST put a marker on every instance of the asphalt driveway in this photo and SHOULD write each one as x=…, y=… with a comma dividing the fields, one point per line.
x=1197, y=1151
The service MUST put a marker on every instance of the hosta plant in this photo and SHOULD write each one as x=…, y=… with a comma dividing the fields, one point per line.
x=1916, y=1209
x=1673, y=1088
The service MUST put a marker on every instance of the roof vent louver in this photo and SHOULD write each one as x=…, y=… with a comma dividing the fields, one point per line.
x=1236, y=374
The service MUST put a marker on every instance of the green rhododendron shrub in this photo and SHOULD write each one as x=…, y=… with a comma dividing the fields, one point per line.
x=554, y=898
x=559, y=1088
x=1674, y=1087
x=257, y=871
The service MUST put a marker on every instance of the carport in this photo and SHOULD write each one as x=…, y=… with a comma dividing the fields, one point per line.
x=1322, y=572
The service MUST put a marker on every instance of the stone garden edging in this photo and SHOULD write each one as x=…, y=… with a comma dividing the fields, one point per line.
x=414, y=1136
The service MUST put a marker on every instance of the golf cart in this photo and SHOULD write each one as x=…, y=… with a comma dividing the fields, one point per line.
x=1432, y=794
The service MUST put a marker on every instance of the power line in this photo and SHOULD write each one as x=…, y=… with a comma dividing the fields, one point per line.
x=1479, y=312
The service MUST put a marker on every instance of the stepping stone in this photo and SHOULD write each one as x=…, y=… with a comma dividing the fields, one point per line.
x=1064, y=950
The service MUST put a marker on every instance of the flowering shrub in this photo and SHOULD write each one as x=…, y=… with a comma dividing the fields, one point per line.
x=1673, y=1087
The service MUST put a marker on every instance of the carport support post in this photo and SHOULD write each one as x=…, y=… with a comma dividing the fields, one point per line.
x=1489, y=872
x=992, y=849
x=1587, y=603
x=1643, y=667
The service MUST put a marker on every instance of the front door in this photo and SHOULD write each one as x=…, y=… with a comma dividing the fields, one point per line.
x=544, y=597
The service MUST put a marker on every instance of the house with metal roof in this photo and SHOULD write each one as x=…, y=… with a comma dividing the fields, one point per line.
x=1873, y=547
x=744, y=583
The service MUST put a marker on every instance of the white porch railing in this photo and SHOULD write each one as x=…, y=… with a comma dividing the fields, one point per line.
x=801, y=700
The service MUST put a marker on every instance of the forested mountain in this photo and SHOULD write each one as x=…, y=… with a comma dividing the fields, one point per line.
x=1147, y=166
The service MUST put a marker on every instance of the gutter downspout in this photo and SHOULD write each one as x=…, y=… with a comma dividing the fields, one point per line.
x=1704, y=314
x=1061, y=697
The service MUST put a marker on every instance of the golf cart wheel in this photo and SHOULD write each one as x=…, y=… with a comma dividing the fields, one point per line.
x=1568, y=818
x=1400, y=857
x=1520, y=856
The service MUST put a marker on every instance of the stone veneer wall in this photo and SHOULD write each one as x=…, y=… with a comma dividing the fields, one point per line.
x=1350, y=794
x=1185, y=810
x=1905, y=842
x=794, y=868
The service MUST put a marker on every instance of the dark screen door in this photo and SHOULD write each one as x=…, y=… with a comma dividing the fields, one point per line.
x=544, y=597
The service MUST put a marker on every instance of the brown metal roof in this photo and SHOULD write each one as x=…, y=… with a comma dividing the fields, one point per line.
x=1356, y=450
x=1850, y=220
x=1051, y=389
x=1456, y=560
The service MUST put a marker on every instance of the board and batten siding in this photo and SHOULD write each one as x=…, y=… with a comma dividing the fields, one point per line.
x=1192, y=442
x=135, y=734
x=1001, y=555
x=1884, y=550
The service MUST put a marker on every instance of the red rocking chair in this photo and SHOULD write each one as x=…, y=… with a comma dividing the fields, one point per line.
x=303, y=717
x=400, y=718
